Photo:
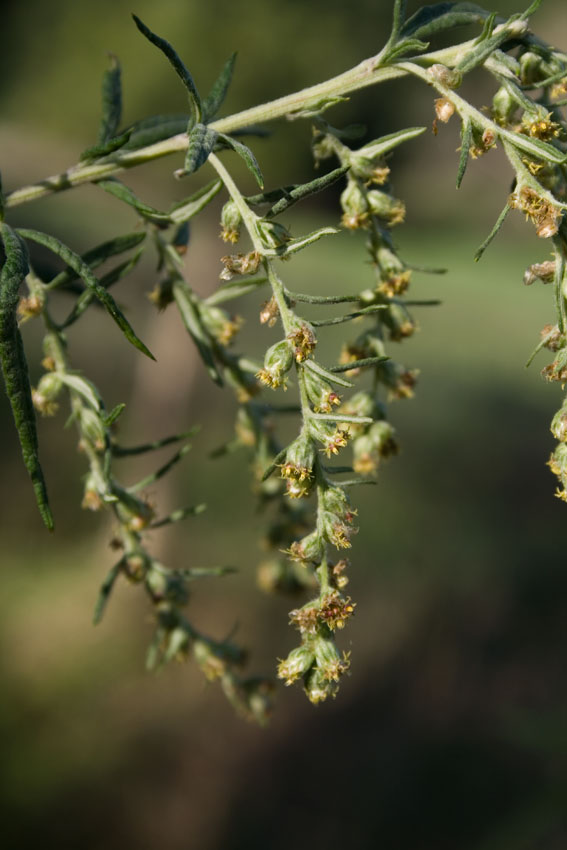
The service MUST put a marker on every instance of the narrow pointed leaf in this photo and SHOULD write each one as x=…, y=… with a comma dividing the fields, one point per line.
x=105, y=148
x=215, y=98
x=493, y=232
x=125, y=194
x=272, y=466
x=105, y=591
x=408, y=45
x=325, y=373
x=180, y=69
x=535, y=147
x=98, y=255
x=338, y=320
x=321, y=299
x=234, y=289
x=75, y=262
x=83, y=388
x=129, y=451
x=197, y=331
x=387, y=143
x=466, y=141
x=359, y=364
x=430, y=20
x=114, y=414
x=189, y=207
x=109, y=279
x=295, y=245
x=149, y=131
x=246, y=154
x=14, y=365
x=111, y=101
x=1, y=200
x=179, y=515
x=298, y=193
x=163, y=470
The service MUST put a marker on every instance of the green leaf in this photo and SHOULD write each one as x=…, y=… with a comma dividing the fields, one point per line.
x=178, y=66
x=272, y=466
x=318, y=107
x=163, y=470
x=398, y=17
x=313, y=366
x=201, y=143
x=359, y=364
x=535, y=147
x=192, y=321
x=111, y=101
x=84, y=388
x=215, y=98
x=298, y=193
x=129, y=451
x=187, y=208
x=98, y=255
x=246, y=154
x=1, y=201
x=117, y=411
x=14, y=365
x=348, y=317
x=234, y=289
x=408, y=45
x=78, y=265
x=295, y=245
x=148, y=131
x=466, y=141
x=106, y=590
x=105, y=148
x=387, y=143
x=430, y=20
x=125, y=194
x=486, y=45
x=109, y=279
x=179, y=515
x=493, y=232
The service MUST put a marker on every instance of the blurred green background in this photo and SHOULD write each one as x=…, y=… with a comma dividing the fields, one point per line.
x=451, y=732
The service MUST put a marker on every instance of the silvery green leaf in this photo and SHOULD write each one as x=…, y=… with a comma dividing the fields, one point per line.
x=234, y=289
x=318, y=107
x=294, y=194
x=387, y=143
x=197, y=331
x=214, y=100
x=84, y=388
x=246, y=154
x=466, y=141
x=535, y=147
x=95, y=256
x=324, y=373
x=125, y=194
x=111, y=102
x=148, y=131
x=74, y=261
x=180, y=69
x=189, y=207
x=430, y=20
x=295, y=245
x=201, y=143
x=105, y=148
x=106, y=590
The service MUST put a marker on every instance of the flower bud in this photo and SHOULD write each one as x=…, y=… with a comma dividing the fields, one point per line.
x=231, y=221
x=303, y=340
x=297, y=663
x=273, y=234
x=355, y=206
x=390, y=210
x=317, y=687
x=320, y=392
x=44, y=395
x=451, y=78
x=92, y=428
x=278, y=361
x=559, y=425
x=503, y=106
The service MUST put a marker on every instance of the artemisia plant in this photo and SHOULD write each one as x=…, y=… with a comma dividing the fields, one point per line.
x=341, y=407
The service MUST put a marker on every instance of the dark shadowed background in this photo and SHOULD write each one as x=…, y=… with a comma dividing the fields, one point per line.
x=451, y=732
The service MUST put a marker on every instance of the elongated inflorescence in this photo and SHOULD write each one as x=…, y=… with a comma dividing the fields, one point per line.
x=341, y=408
